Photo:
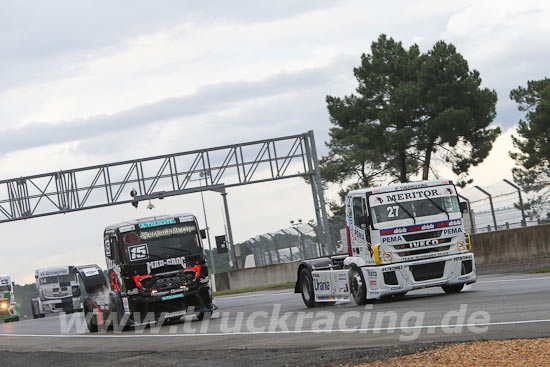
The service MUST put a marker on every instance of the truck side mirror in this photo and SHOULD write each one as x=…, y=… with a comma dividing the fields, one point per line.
x=463, y=207
x=203, y=233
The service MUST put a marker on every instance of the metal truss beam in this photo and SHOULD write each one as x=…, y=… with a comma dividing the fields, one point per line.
x=164, y=176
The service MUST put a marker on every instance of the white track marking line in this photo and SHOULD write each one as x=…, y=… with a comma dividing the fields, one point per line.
x=254, y=295
x=287, y=293
x=244, y=333
x=510, y=280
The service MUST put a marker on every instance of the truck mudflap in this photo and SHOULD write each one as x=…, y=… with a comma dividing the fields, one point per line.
x=331, y=285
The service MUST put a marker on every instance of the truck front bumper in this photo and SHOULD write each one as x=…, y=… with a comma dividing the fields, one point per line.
x=403, y=277
x=68, y=304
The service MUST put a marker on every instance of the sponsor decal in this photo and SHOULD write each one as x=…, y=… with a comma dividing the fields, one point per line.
x=321, y=285
x=392, y=268
x=390, y=239
x=396, y=288
x=160, y=263
x=174, y=314
x=127, y=228
x=372, y=282
x=388, y=257
x=132, y=292
x=464, y=277
x=372, y=274
x=461, y=246
x=53, y=272
x=173, y=231
x=423, y=227
x=412, y=193
x=111, y=265
x=90, y=272
x=138, y=252
x=452, y=231
x=425, y=256
x=172, y=296
x=416, y=244
x=4, y=281
x=157, y=223
x=107, y=247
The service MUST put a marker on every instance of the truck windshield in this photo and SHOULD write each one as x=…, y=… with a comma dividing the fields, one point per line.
x=57, y=279
x=5, y=288
x=161, y=243
x=418, y=208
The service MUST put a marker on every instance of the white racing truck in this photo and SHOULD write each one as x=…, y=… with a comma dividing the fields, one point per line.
x=58, y=291
x=400, y=238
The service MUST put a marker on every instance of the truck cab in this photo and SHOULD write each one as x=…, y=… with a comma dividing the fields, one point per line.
x=400, y=238
x=58, y=291
x=9, y=310
x=156, y=268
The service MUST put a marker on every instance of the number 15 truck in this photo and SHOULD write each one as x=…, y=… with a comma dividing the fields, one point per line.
x=400, y=238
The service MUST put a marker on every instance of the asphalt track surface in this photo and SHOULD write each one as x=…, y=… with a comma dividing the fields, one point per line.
x=275, y=328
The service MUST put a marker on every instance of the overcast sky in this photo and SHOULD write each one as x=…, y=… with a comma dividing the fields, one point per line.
x=93, y=82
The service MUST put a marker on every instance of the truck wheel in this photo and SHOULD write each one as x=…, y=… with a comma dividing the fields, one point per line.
x=91, y=319
x=454, y=288
x=306, y=287
x=358, y=287
x=119, y=322
x=200, y=315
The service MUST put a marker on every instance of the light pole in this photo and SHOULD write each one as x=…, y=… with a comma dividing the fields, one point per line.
x=210, y=254
x=295, y=225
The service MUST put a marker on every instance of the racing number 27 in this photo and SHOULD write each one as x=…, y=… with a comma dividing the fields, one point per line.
x=393, y=211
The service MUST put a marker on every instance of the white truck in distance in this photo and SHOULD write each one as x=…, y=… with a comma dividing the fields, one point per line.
x=400, y=238
x=58, y=291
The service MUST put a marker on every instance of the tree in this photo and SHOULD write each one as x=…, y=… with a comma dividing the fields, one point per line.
x=533, y=141
x=532, y=171
x=456, y=112
x=410, y=110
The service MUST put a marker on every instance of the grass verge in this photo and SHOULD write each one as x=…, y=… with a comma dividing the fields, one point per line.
x=254, y=289
x=539, y=271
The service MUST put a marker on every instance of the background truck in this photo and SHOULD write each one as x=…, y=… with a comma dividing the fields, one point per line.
x=401, y=237
x=58, y=291
x=9, y=310
x=156, y=270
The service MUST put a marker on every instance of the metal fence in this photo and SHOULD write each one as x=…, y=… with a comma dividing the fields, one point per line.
x=298, y=241
x=497, y=207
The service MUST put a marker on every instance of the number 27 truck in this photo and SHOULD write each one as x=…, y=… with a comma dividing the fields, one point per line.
x=400, y=238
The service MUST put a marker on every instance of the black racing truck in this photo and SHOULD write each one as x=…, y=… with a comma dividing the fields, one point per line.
x=156, y=270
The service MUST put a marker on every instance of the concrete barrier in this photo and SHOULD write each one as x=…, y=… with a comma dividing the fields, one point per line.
x=489, y=248
x=512, y=245
x=257, y=277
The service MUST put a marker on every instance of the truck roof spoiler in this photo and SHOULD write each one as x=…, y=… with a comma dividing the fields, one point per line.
x=92, y=278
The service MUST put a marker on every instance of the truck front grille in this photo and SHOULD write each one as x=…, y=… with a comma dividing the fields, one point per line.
x=422, y=236
x=428, y=271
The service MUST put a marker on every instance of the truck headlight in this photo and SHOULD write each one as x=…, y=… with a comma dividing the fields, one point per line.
x=4, y=305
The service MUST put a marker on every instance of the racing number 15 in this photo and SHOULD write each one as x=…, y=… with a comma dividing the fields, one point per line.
x=393, y=211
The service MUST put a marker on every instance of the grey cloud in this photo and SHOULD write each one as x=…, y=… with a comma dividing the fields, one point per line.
x=207, y=99
x=38, y=40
